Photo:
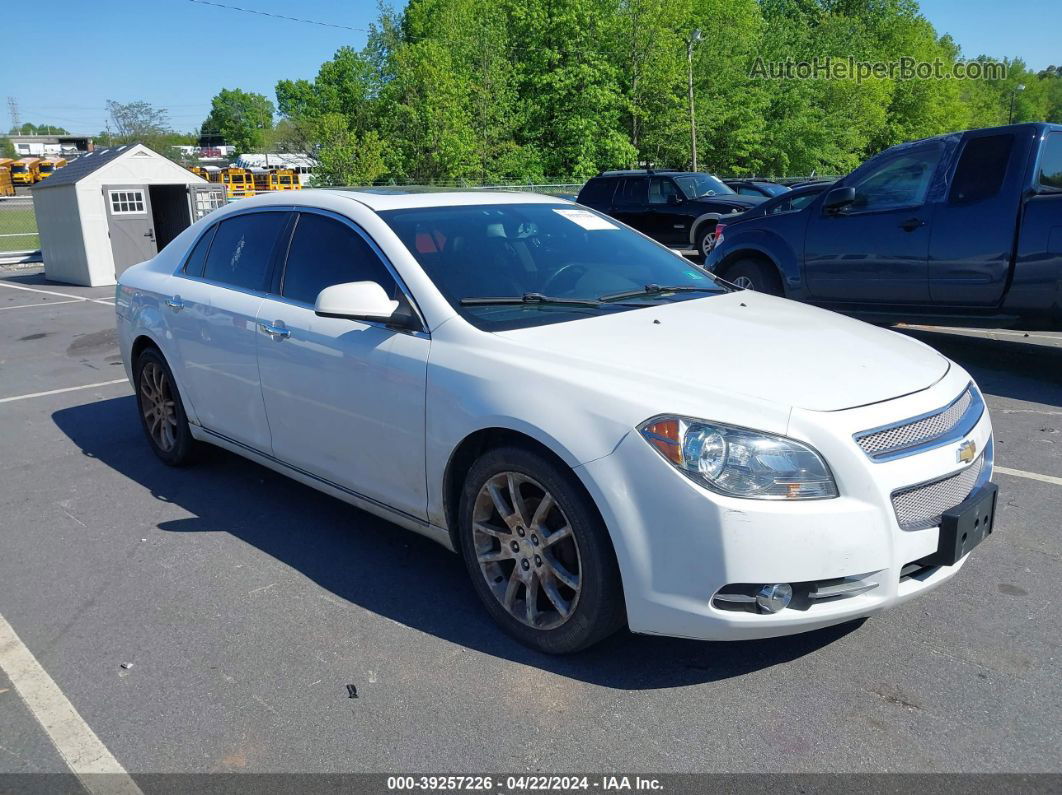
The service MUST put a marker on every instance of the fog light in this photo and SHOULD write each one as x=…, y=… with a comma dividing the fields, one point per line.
x=772, y=598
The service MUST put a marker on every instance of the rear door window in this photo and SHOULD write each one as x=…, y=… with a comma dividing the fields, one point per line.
x=1051, y=162
x=635, y=190
x=981, y=168
x=242, y=250
x=325, y=252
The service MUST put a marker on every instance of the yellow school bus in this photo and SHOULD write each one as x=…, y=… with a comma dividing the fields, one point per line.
x=238, y=182
x=199, y=171
x=50, y=164
x=276, y=179
x=26, y=171
x=7, y=188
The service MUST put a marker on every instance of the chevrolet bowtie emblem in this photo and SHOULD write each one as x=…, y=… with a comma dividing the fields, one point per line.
x=966, y=452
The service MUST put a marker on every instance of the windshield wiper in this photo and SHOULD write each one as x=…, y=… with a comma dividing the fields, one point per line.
x=656, y=289
x=527, y=298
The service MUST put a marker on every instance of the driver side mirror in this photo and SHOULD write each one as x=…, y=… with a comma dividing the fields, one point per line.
x=838, y=198
x=674, y=198
x=355, y=301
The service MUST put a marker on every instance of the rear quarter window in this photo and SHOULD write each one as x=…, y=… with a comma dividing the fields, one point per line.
x=1050, y=175
x=597, y=191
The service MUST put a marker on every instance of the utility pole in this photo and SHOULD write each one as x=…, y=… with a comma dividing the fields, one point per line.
x=1014, y=96
x=693, y=39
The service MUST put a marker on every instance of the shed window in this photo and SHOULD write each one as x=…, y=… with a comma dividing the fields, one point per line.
x=206, y=201
x=127, y=201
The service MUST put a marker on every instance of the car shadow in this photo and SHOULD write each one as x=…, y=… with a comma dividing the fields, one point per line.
x=1019, y=370
x=382, y=568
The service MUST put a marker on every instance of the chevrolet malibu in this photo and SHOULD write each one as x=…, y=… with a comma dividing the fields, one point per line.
x=603, y=432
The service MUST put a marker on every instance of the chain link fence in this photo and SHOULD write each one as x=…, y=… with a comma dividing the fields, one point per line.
x=18, y=225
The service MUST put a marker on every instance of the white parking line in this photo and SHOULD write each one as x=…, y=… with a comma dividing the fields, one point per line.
x=1021, y=473
x=104, y=301
x=60, y=391
x=41, y=303
x=84, y=752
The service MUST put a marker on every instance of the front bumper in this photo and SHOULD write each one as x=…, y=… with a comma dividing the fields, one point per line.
x=678, y=544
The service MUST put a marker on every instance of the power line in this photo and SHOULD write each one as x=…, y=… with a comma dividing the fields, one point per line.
x=279, y=16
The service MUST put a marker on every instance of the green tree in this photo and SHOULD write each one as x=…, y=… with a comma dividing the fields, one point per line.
x=240, y=117
x=29, y=128
x=344, y=157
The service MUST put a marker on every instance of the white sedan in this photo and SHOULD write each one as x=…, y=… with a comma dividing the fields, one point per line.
x=602, y=431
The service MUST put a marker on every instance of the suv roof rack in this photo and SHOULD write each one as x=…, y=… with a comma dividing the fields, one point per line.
x=624, y=172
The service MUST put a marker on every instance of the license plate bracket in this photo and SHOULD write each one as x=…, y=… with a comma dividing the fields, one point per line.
x=965, y=526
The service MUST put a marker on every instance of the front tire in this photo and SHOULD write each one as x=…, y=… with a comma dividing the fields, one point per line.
x=161, y=411
x=754, y=274
x=538, y=554
x=705, y=240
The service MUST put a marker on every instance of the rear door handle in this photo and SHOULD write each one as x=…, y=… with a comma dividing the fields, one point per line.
x=912, y=224
x=175, y=303
x=277, y=332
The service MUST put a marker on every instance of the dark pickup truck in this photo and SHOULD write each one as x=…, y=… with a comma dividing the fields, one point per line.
x=961, y=228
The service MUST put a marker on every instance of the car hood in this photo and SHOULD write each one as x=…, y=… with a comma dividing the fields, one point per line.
x=744, y=343
x=736, y=201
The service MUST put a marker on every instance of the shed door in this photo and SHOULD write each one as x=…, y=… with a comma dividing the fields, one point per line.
x=204, y=199
x=129, y=224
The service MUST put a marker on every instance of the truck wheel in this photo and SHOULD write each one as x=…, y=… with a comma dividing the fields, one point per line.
x=540, y=559
x=161, y=411
x=754, y=274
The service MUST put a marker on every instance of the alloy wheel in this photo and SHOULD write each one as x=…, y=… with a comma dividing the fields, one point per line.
x=744, y=283
x=158, y=406
x=526, y=550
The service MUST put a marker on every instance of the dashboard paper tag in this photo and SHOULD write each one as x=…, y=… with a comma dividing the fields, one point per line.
x=586, y=219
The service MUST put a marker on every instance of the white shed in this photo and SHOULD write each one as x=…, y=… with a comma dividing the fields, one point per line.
x=113, y=208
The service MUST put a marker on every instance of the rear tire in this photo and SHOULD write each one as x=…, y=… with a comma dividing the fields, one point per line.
x=546, y=545
x=161, y=411
x=754, y=274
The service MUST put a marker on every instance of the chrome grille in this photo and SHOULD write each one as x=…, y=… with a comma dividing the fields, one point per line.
x=920, y=507
x=883, y=442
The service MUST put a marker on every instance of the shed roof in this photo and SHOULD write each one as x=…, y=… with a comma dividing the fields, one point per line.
x=92, y=162
x=82, y=167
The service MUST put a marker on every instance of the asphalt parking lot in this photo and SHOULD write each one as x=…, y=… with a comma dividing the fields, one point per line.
x=242, y=605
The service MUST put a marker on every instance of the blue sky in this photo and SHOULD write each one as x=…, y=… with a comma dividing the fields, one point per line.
x=177, y=54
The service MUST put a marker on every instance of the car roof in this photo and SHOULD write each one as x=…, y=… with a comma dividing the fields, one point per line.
x=389, y=198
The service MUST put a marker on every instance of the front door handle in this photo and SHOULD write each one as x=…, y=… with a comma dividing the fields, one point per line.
x=912, y=224
x=277, y=332
x=175, y=303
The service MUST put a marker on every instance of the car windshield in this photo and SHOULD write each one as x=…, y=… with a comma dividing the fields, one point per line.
x=695, y=185
x=549, y=263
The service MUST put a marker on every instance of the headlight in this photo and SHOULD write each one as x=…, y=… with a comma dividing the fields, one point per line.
x=738, y=462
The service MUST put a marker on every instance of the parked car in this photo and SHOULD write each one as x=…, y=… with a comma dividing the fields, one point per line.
x=677, y=208
x=961, y=228
x=524, y=380
x=755, y=187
